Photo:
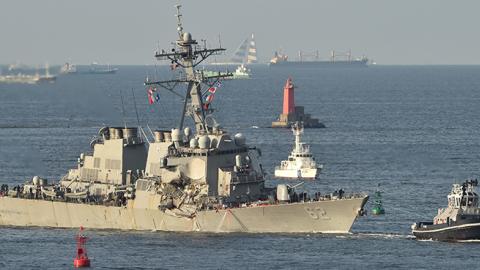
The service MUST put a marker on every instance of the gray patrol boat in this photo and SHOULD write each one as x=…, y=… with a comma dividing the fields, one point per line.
x=205, y=180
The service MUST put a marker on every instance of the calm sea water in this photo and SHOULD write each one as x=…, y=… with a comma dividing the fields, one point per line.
x=413, y=130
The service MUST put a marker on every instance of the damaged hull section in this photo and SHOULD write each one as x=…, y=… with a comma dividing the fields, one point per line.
x=332, y=216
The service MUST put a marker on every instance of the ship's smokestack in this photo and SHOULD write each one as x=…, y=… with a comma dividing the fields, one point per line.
x=288, y=97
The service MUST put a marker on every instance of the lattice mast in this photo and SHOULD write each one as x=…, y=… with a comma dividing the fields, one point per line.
x=187, y=55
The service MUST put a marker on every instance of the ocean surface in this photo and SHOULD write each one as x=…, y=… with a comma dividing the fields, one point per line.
x=413, y=130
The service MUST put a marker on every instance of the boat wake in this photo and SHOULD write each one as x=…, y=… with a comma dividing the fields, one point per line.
x=378, y=235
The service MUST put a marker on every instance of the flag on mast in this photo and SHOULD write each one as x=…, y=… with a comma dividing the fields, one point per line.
x=150, y=95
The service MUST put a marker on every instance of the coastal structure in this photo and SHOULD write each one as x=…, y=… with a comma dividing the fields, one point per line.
x=291, y=113
x=193, y=178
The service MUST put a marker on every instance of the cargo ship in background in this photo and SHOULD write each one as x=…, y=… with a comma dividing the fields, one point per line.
x=313, y=60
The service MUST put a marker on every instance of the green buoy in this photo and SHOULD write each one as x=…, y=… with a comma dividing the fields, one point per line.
x=377, y=204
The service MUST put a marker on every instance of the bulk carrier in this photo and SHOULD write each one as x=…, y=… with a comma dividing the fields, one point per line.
x=314, y=61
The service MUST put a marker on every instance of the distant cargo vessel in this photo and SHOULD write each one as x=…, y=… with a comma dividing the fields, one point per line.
x=313, y=60
x=95, y=68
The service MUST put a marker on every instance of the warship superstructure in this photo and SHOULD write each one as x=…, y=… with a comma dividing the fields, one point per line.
x=300, y=163
x=459, y=221
x=186, y=179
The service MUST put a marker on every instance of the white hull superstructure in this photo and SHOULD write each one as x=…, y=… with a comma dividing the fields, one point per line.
x=300, y=164
x=305, y=173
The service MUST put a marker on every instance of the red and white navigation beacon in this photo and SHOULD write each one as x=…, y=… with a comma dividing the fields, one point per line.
x=82, y=259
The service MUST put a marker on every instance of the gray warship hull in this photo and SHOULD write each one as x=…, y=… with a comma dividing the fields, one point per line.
x=330, y=216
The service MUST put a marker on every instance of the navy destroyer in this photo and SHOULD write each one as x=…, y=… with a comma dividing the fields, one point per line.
x=197, y=178
x=460, y=221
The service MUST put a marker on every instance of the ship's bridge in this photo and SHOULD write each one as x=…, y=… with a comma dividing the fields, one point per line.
x=463, y=196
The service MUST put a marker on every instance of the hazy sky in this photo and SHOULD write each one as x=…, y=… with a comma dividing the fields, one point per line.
x=128, y=31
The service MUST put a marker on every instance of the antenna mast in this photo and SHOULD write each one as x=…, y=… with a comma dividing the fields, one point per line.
x=187, y=54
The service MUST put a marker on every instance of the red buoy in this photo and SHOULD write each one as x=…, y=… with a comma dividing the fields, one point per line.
x=82, y=259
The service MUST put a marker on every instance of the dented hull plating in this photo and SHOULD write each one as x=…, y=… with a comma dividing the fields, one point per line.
x=333, y=216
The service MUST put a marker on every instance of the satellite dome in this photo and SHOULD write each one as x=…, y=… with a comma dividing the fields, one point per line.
x=239, y=139
x=204, y=142
x=36, y=180
x=176, y=135
x=193, y=143
x=187, y=132
x=187, y=37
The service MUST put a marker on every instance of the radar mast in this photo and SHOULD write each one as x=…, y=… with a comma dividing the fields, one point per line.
x=187, y=55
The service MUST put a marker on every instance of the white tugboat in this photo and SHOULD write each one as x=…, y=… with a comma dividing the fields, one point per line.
x=300, y=163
